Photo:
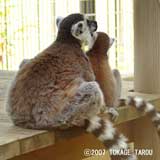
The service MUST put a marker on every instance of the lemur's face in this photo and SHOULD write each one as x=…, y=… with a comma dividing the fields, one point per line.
x=83, y=29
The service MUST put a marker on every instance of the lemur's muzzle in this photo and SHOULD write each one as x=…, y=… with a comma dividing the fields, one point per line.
x=92, y=25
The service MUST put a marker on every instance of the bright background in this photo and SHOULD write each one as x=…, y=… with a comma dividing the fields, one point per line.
x=28, y=26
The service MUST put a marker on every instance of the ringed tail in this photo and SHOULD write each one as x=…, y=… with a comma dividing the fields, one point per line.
x=104, y=131
x=149, y=109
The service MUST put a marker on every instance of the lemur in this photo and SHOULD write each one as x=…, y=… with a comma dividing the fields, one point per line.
x=109, y=80
x=57, y=88
x=111, y=88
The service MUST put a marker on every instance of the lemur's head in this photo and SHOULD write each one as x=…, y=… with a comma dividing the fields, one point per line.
x=76, y=28
x=102, y=43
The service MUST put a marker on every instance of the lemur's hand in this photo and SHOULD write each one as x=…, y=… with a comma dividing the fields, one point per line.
x=113, y=113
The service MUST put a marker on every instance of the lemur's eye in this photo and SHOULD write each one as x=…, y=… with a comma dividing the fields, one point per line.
x=79, y=29
x=80, y=25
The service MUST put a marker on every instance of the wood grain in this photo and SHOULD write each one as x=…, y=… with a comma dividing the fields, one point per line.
x=105, y=157
x=72, y=149
x=145, y=136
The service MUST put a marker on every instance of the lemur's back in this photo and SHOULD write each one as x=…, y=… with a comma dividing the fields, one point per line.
x=44, y=81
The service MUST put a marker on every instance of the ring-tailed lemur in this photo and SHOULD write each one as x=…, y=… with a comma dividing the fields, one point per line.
x=57, y=88
x=103, y=73
x=44, y=91
x=97, y=56
x=109, y=80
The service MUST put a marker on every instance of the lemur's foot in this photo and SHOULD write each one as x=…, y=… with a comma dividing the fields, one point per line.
x=113, y=113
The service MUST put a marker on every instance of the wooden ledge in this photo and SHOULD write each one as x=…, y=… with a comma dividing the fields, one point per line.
x=16, y=141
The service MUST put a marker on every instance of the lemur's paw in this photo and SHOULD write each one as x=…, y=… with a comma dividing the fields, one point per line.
x=113, y=113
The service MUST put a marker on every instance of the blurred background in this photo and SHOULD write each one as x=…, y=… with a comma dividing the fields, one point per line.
x=28, y=26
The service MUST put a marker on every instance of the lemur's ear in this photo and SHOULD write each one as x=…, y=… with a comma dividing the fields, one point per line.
x=58, y=21
x=111, y=41
x=92, y=25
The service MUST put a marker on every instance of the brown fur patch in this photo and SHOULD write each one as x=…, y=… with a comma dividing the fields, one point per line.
x=46, y=83
x=102, y=70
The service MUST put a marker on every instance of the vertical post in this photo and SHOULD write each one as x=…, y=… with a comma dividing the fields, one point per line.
x=147, y=45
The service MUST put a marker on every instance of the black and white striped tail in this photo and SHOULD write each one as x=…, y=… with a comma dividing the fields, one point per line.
x=108, y=135
x=147, y=108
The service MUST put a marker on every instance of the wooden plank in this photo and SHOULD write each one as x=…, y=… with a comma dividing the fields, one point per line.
x=72, y=149
x=145, y=136
x=127, y=113
x=25, y=140
x=105, y=157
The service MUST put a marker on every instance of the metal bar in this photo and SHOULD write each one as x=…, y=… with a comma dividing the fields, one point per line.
x=38, y=23
x=6, y=32
x=116, y=34
x=22, y=22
